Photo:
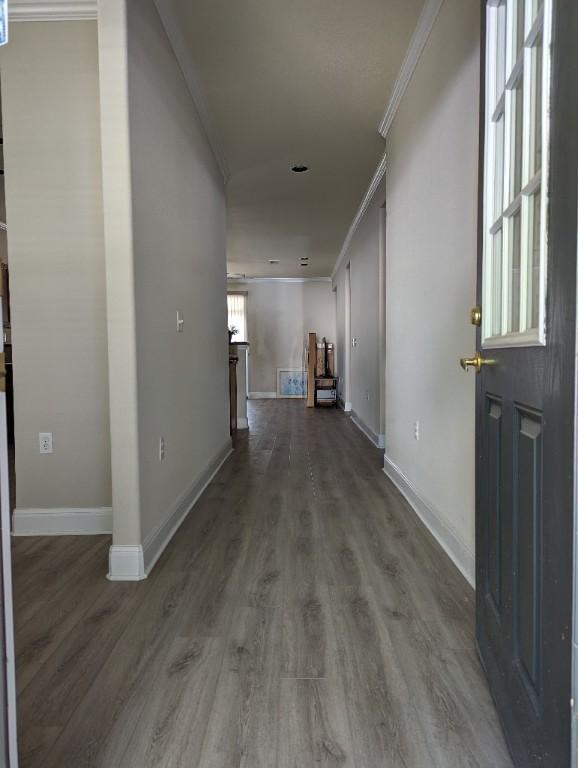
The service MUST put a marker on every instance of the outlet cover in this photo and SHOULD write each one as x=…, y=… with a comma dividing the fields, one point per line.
x=45, y=442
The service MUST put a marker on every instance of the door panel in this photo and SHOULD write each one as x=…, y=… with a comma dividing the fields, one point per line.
x=528, y=549
x=525, y=393
x=494, y=551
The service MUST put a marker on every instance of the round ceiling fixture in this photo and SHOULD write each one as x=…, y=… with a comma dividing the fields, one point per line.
x=274, y=261
x=299, y=168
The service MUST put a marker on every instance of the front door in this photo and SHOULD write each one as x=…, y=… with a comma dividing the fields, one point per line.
x=525, y=363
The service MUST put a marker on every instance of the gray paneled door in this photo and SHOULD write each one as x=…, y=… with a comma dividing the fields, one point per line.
x=525, y=368
x=8, y=740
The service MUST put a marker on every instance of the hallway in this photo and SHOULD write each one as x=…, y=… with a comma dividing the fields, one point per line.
x=301, y=616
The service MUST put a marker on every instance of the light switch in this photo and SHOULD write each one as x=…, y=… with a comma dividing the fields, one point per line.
x=180, y=322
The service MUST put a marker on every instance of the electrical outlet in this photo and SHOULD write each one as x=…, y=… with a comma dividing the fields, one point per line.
x=161, y=449
x=45, y=442
x=180, y=321
x=416, y=430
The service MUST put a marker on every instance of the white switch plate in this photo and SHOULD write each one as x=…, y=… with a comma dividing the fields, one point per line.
x=180, y=321
x=45, y=442
x=416, y=430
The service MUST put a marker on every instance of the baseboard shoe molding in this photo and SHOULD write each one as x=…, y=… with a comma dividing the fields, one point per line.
x=126, y=563
x=157, y=541
x=262, y=396
x=462, y=557
x=242, y=423
x=377, y=440
x=62, y=522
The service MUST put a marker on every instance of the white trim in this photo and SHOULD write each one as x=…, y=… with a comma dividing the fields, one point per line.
x=373, y=186
x=279, y=279
x=7, y=612
x=377, y=440
x=66, y=10
x=182, y=53
x=242, y=422
x=345, y=406
x=81, y=521
x=157, y=541
x=262, y=396
x=415, y=49
x=126, y=563
x=460, y=554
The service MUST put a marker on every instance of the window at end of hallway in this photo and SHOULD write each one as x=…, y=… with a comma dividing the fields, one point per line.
x=237, y=310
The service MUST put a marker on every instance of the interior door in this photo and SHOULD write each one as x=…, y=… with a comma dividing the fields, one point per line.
x=8, y=740
x=525, y=363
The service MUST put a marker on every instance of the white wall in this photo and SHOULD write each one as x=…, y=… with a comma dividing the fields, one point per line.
x=56, y=252
x=363, y=259
x=279, y=317
x=431, y=276
x=179, y=259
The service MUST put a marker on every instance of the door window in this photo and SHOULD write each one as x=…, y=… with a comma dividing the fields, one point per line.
x=515, y=177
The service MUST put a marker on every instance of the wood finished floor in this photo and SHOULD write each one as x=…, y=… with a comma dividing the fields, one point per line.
x=301, y=617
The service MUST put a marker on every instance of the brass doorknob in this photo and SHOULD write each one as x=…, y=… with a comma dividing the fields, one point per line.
x=475, y=362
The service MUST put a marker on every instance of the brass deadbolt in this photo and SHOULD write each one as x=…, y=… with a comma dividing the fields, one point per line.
x=476, y=316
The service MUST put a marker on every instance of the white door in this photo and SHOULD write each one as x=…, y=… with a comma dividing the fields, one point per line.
x=8, y=742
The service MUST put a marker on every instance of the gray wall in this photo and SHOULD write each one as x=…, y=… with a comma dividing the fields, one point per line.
x=431, y=275
x=363, y=258
x=430, y=279
x=179, y=261
x=56, y=252
x=279, y=317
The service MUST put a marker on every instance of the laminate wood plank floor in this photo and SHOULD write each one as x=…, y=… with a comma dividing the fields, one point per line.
x=301, y=617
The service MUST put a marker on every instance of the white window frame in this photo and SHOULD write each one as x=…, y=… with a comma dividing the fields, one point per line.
x=244, y=329
x=537, y=20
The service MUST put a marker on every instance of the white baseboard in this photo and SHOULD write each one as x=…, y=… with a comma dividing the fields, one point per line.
x=262, y=395
x=377, y=440
x=156, y=542
x=242, y=423
x=347, y=407
x=62, y=522
x=126, y=563
x=460, y=554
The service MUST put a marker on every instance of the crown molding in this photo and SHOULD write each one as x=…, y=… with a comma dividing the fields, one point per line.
x=374, y=184
x=39, y=10
x=280, y=280
x=413, y=54
x=185, y=61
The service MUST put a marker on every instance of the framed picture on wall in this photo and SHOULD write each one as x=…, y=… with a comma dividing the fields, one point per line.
x=291, y=382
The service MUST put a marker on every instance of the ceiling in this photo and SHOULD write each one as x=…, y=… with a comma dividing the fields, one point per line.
x=290, y=82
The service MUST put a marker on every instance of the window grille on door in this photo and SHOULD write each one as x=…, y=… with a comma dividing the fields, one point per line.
x=516, y=172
